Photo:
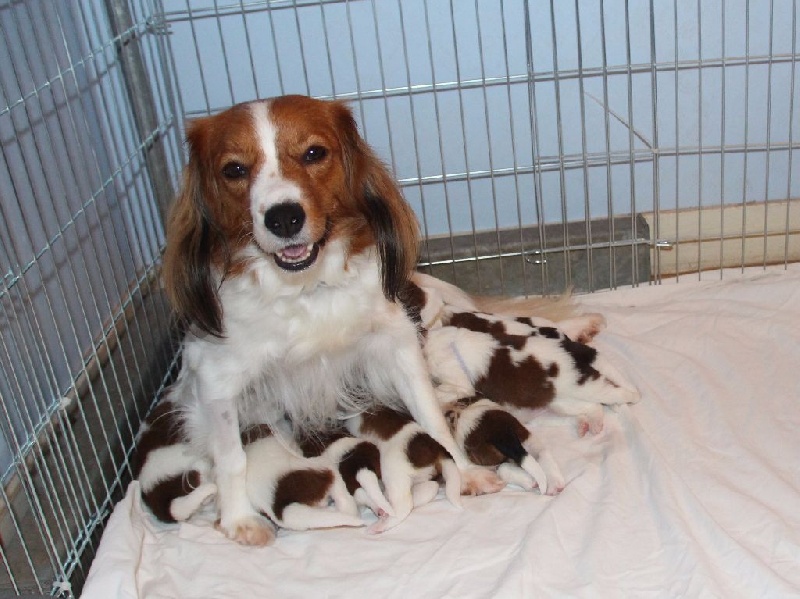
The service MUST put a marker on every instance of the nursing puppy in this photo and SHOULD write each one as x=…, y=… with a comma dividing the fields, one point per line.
x=174, y=481
x=409, y=457
x=492, y=436
x=294, y=491
x=358, y=462
x=524, y=366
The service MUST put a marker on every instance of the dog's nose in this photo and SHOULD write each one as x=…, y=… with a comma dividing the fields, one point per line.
x=285, y=220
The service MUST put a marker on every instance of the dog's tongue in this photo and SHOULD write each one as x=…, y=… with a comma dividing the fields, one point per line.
x=294, y=251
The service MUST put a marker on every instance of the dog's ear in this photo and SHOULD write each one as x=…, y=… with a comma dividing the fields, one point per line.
x=193, y=243
x=390, y=218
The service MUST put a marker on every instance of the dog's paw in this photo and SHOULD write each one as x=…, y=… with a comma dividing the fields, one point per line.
x=250, y=530
x=480, y=481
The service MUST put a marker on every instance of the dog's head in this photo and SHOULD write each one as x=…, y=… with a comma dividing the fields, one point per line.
x=285, y=176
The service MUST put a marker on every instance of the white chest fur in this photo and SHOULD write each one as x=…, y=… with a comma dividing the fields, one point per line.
x=297, y=348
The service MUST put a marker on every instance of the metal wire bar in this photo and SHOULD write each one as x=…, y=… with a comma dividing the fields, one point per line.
x=556, y=175
x=438, y=114
x=415, y=136
x=535, y=143
x=587, y=211
x=514, y=159
x=632, y=174
x=700, y=179
x=612, y=262
x=461, y=110
x=769, y=130
x=656, y=267
x=787, y=215
x=746, y=130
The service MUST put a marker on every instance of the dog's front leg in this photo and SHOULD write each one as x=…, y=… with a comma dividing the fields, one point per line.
x=238, y=519
x=401, y=359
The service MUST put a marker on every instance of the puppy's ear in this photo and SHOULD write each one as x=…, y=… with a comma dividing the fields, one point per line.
x=391, y=220
x=193, y=243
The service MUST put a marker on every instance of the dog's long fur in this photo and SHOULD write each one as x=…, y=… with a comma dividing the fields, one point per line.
x=287, y=249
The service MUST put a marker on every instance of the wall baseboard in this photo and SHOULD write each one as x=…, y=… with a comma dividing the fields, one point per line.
x=582, y=255
x=715, y=237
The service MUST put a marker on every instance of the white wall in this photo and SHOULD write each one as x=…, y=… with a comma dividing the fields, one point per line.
x=347, y=49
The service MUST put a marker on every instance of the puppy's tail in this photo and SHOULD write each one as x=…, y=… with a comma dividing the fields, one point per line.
x=552, y=308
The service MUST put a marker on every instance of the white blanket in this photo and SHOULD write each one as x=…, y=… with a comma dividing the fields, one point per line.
x=695, y=491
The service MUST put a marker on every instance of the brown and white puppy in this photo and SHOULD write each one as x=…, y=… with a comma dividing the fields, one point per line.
x=525, y=364
x=294, y=491
x=409, y=456
x=358, y=462
x=174, y=480
x=492, y=436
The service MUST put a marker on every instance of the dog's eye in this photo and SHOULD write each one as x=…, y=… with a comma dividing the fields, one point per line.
x=234, y=170
x=314, y=154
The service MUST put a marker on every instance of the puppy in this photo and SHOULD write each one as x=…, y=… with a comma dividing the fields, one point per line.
x=409, y=457
x=524, y=366
x=294, y=491
x=289, y=251
x=491, y=436
x=358, y=462
x=174, y=480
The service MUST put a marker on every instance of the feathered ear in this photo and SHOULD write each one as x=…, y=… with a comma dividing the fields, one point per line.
x=193, y=242
x=393, y=223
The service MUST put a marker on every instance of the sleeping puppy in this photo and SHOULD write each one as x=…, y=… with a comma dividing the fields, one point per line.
x=492, y=436
x=525, y=364
x=294, y=491
x=174, y=480
x=409, y=457
x=358, y=462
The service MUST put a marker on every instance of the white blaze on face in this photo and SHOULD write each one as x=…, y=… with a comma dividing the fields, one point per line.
x=269, y=187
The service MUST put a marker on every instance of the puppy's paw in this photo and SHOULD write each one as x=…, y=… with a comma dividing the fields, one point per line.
x=554, y=487
x=584, y=328
x=250, y=530
x=480, y=481
x=588, y=425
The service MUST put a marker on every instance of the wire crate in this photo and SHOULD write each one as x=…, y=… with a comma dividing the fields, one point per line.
x=543, y=145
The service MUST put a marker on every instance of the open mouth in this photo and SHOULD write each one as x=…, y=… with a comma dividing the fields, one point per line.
x=297, y=257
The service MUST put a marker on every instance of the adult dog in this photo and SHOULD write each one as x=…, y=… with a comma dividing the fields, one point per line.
x=288, y=253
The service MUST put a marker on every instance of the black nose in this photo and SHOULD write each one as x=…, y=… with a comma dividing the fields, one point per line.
x=285, y=220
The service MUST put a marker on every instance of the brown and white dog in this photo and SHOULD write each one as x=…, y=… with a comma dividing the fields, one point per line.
x=288, y=251
x=175, y=482
x=492, y=436
x=525, y=364
x=409, y=457
x=358, y=462
x=292, y=490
